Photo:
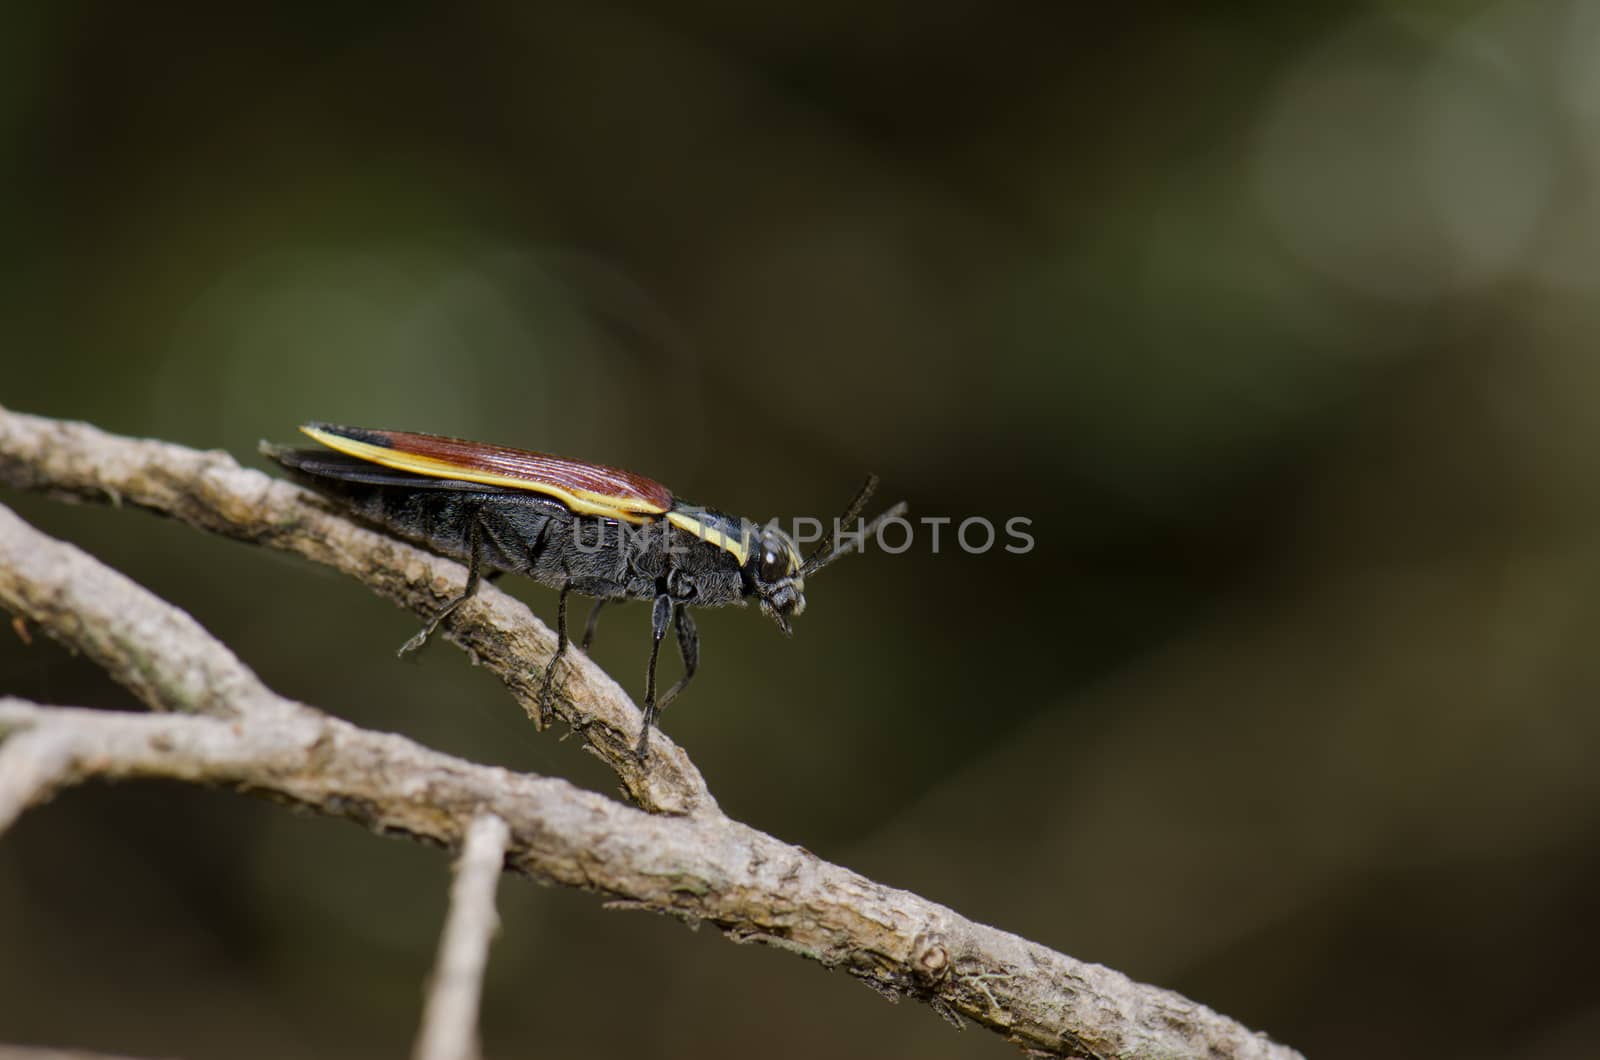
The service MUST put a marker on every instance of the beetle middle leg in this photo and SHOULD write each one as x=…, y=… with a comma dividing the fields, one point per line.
x=474, y=575
x=590, y=626
x=689, y=648
x=561, y=649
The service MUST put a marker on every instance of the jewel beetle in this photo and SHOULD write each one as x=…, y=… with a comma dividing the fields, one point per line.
x=578, y=527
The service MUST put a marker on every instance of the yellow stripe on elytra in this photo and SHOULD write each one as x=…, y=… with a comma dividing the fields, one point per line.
x=584, y=502
x=686, y=521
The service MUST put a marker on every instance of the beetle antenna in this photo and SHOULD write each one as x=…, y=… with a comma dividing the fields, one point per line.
x=825, y=555
x=857, y=541
x=851, y=512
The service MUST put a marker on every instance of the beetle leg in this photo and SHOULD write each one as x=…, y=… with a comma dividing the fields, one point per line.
x=660, y=617
x=561, y=649
x=474, y=572
x=689, y=648
x=589, y=626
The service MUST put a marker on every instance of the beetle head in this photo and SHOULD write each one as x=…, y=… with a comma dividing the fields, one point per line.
x=775, y=576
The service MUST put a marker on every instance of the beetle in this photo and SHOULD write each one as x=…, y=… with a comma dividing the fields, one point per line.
x=578, y=527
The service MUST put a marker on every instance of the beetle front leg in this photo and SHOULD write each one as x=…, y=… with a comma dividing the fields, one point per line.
x=660, y=617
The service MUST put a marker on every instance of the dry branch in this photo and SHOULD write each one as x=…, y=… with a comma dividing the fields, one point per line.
x=700, y=865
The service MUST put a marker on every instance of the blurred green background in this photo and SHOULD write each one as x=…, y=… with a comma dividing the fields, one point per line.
x=1279, y=322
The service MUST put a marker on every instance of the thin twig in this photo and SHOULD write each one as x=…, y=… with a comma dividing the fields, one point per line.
x=32, y=767
x=450, y=1020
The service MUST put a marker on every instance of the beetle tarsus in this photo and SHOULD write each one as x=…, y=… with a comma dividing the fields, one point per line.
x=418, y=641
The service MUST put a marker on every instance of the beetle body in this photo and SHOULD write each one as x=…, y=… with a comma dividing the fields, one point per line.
x=538, y=537
x=577, y=527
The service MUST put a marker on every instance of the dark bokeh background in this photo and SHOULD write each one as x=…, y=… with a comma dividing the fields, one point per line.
x=1280, y=323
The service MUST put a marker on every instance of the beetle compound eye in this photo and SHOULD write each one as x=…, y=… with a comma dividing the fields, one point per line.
x=774, y=565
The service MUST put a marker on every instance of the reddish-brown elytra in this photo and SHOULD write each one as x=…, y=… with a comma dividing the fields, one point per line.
x=579, y=527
